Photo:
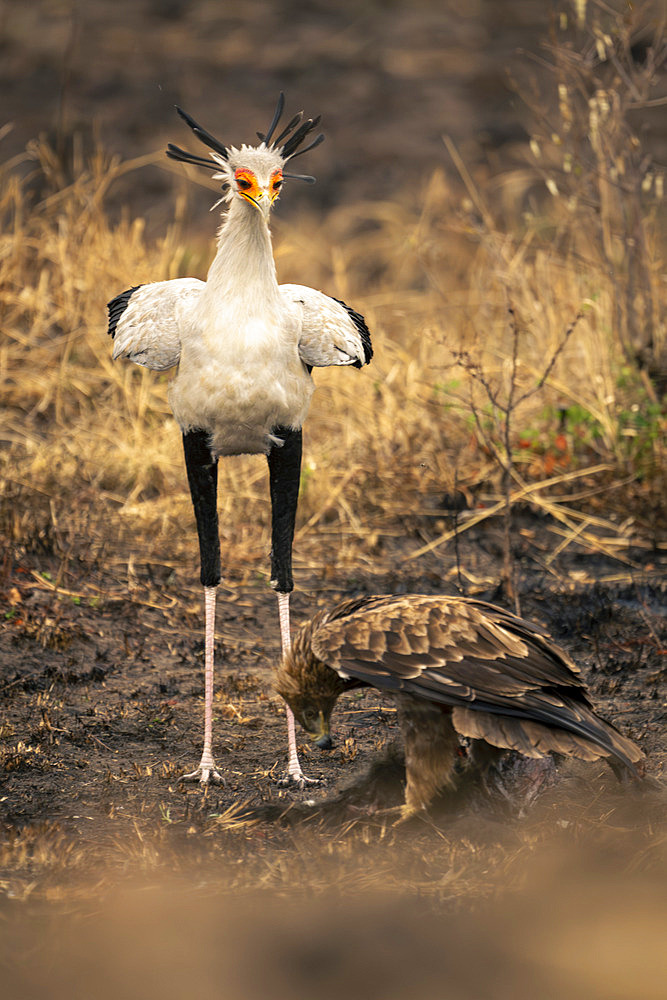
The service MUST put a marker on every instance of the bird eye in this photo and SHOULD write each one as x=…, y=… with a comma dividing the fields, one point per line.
x=245, y=179
x=276, y=181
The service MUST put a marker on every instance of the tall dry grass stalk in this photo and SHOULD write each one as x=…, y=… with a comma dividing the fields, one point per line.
x=92, y=459
x=589, y=146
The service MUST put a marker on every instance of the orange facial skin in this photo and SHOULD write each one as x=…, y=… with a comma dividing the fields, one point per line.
x=249, y=188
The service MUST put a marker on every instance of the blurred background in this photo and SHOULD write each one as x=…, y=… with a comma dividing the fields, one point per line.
x=390, y=78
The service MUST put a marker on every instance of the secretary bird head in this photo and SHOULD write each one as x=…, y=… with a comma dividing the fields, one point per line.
x=253, y=173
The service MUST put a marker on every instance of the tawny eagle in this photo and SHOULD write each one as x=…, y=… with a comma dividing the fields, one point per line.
x=456, y=667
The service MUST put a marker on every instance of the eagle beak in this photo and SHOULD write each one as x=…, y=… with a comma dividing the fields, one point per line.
x=321, y=737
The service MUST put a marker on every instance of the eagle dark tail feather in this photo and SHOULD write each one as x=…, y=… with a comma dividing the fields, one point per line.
x=535, y=739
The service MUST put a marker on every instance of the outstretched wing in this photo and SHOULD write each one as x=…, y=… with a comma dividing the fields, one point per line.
x=331, y=332
x=145, y=321
x=504, y=679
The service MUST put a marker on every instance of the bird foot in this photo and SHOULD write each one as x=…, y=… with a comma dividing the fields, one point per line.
x=297, y=779
x=206, y=773
x=402, y=814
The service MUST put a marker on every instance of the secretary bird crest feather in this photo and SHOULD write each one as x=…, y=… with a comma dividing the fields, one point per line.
x=456, y=667
x=243, y=348
x=278, y=151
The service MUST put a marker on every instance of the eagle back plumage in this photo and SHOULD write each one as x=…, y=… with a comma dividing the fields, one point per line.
x=503, y=678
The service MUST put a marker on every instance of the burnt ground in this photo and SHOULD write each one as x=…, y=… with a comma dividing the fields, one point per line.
x=105, y=858
x=390, y=79
x=102, y=698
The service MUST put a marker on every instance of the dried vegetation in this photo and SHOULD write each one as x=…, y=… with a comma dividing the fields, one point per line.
x=470, y=302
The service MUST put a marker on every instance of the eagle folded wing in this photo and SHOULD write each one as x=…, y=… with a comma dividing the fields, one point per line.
x=502, y=677
x=145, y=322
x=443, y=640
x=331, y=332
x=532, y=739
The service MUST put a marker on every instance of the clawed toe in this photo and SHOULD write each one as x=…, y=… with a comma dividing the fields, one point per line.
x=299, y=781
x=399, y=814
x=205, y=774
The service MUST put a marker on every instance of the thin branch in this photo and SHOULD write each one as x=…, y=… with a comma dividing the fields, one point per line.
x=552, y=361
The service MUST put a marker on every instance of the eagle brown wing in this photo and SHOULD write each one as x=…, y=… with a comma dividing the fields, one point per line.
x=502, y=676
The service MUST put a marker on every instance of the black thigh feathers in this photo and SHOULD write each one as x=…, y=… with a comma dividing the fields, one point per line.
x=284, y=477
x=202, y=469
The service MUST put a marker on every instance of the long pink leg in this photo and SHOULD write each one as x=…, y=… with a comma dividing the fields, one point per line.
x=295, y=775
x=206, y=771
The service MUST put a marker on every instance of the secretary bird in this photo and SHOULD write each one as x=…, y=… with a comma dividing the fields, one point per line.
x=245, y=347
x=455, y=666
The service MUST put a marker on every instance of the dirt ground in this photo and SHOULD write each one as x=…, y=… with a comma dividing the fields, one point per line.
x=102, y=700
x=118, y=880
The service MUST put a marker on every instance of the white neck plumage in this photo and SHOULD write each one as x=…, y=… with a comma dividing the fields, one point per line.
x=243, y=266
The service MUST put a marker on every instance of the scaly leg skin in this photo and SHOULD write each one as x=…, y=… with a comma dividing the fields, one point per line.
x=405, y=813
x=295, y=775
x=206, y=771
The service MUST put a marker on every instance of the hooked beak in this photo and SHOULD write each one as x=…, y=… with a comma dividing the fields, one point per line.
x=320, y=734
x=263, y=201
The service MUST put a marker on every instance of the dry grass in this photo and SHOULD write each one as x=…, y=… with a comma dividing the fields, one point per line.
x=92, y=462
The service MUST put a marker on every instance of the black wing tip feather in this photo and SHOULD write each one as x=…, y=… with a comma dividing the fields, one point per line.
x=364, y=332
x=118, y=306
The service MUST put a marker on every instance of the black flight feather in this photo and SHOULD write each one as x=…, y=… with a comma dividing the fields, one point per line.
x=117, y=307
x=364, y=332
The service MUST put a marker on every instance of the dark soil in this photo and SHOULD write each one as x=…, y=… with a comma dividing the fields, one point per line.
x=119, y=881
x=102, y=711
x=390, y=80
